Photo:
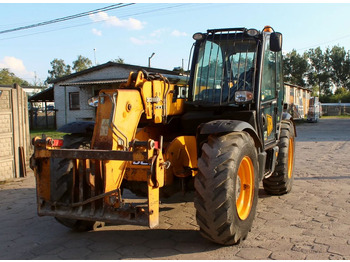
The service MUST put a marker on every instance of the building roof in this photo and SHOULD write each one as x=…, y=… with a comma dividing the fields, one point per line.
x=46, y=95
x=94, y=82
x=300, y=87
x=108, y=64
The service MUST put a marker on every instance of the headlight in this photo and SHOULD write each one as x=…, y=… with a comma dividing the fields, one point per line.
x=198, y=36
x=93, y=101
x=243, y=96
x=252, y=32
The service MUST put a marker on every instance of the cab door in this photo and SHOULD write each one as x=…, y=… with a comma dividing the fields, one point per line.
x=270, y=91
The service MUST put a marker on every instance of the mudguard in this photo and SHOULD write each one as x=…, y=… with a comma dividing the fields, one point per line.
x=227, y=126
x=81, y=127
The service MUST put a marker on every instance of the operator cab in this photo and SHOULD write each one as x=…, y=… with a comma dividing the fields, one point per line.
x=236, y=70
x=225, y=63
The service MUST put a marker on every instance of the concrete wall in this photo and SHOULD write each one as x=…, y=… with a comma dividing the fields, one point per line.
x=14, y=133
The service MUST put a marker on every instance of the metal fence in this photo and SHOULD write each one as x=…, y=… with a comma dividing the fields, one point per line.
x=42, y=119
x=335, y=109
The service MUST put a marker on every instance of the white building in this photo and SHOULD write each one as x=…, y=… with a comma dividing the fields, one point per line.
x=72, y=92
x=297, y=98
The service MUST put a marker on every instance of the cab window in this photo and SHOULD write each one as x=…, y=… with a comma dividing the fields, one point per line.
x=268, y=85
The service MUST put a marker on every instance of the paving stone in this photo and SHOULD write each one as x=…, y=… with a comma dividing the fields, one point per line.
x=102, y=245
x=288, y=255
x=74, y=253
x=47, y=249
x=191, y=247
x=311, y=222
x=330, y=240
x=48, y=257
x=77, y=243
x=276, y=245
x=253, y=253
x=105, y=255
x=161, y=253
x=336, y=257
x=318, y=256
x=160, y=243
x=339, y=249
x=133, y=251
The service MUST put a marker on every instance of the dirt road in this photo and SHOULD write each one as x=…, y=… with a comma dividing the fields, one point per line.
x=312, y=222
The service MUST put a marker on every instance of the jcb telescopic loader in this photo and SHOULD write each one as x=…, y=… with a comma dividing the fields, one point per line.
x=219, y=133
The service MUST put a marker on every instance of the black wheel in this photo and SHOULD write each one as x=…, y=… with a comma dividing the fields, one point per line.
x=61, y=169
x=62, y=181
x=281, y=181
x=227, y=188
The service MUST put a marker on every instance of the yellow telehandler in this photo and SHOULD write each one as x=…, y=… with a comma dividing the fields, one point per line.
x=219, y=132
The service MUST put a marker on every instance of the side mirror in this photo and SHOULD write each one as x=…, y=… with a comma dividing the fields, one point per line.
x=93, y=101
x=276, y=42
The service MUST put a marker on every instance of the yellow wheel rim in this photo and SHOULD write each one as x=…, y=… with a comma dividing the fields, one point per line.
x=290, y=157
x=245, y=188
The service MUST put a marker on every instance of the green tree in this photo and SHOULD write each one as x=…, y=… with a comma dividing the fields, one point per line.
x=319, y=70
x=119, y=60
x=9, y=78
x=295, y=67
x=81, y=63
x=59, y=69
x=340, y=64
x=340, y=95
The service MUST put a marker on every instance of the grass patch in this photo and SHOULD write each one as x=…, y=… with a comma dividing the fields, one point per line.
x=48, y=132
x=342, y=116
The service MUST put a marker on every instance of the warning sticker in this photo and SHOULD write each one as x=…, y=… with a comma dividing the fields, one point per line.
x=269, y=124
x=104, y=127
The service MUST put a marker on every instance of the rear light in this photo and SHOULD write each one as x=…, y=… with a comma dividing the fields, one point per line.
x=57, y=142
x=243, y=96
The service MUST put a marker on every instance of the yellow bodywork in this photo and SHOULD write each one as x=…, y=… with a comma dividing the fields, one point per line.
x=114, y=132
x=122, y=150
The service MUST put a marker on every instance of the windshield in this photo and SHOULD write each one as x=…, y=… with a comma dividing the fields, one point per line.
x=223, y=67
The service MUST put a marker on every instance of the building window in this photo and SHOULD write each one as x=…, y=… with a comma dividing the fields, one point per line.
x=74, y=101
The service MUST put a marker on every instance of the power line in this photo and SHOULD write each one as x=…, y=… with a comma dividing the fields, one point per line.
x=323, y=43
x=102, y=20
x=62, y=19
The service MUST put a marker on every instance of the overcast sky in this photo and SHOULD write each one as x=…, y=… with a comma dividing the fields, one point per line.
x=134, y=32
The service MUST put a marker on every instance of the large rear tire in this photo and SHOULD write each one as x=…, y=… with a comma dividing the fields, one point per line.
x=62, y=181
x=227, y=188
x=281, y=181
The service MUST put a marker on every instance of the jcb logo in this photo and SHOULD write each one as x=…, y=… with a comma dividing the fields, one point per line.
x=182, y=92
x=141, y=163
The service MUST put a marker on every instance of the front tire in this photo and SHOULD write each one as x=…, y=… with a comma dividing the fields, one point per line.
x=227, y=188
x=281, y=181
